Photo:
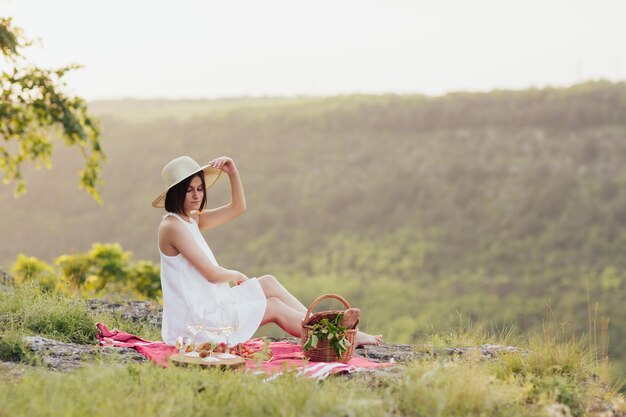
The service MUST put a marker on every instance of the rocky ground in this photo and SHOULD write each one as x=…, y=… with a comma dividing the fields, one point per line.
x=61, y=356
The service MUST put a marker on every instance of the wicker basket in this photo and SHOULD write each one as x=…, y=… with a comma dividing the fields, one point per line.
x=324, y=351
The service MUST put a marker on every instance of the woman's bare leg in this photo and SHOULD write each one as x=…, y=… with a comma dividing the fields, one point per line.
x=290, y=320
x=273, y=288
x=284, y=316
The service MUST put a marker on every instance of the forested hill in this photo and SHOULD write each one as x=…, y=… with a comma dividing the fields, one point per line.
x=416, y=208
x=501, y=178
x=585, y=105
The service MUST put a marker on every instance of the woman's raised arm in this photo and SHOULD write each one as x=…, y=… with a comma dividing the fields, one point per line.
x=214, y=217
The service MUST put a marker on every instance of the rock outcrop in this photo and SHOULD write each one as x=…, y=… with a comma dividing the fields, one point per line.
x=61, y=356
x=144, y=312
x=404, y=353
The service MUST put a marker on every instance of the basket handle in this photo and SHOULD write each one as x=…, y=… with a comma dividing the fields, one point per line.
x=319, y=299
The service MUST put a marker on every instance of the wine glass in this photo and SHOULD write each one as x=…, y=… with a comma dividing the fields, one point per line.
x=229, y=323
x=194, y=322
x=211, y=321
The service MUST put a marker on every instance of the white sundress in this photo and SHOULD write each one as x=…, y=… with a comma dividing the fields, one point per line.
x=184, y=287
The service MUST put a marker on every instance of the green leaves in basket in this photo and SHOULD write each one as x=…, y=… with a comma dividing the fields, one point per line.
x=331, y=331
x=313, y=341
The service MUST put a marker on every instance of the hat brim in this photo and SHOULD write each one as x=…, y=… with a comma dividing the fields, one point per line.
x=211, y=175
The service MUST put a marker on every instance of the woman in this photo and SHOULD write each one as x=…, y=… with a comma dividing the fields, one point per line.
x=190, y=275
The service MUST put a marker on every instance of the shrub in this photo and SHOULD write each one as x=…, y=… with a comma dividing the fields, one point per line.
x=26, y=269
x=105, y=270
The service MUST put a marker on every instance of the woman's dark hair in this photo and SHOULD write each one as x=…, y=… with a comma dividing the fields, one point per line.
x=175, y=197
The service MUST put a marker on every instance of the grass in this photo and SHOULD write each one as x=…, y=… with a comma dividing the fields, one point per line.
x=178, y=391
x=29, y=310
x=560, y=375
x=13, y=348
x=470, y=386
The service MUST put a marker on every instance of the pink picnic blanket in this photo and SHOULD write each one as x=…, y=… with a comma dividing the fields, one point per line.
x=284, y=355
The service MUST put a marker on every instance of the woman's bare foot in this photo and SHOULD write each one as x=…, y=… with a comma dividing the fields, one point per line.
x=368, y=339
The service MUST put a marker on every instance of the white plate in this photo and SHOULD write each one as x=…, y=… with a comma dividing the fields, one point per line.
x=227, y=356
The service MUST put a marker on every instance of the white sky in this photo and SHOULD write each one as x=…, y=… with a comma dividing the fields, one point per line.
x=208, y=49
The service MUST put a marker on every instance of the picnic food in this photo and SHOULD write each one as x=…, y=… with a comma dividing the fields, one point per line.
x=350, y=318
x=204, y=346
x=240, y=349
x=184, y=344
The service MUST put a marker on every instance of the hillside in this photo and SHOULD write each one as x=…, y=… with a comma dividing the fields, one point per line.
x=418, y=209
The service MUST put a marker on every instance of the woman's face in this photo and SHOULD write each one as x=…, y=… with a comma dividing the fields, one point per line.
x=194, y=195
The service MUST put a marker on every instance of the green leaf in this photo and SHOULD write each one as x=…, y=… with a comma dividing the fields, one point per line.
x=307, y=344
x=37, y=107
x=314, y=340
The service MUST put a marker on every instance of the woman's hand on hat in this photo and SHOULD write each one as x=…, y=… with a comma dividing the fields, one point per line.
x=225, y=164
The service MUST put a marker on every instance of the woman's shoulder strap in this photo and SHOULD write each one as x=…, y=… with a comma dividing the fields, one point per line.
x=169, y=213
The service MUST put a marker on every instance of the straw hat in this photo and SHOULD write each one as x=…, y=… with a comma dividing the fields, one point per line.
x=180, y=168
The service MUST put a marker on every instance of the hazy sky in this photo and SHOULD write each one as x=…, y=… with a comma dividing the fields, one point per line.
x=194, y=49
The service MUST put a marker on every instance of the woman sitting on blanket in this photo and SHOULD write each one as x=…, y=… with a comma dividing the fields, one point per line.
x=191, y=278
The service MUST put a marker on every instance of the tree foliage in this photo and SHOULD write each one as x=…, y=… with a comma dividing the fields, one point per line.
x=29, y=268
x=34, y=109
x=106, y=269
